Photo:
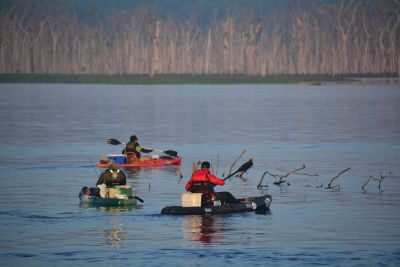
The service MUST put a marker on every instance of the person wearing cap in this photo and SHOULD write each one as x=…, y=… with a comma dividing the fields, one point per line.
x=112, y=175
x=133, y=150
x=203, y=181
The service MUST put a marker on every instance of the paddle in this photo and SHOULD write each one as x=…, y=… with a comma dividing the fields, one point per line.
x=247, y=165
x=171, y=153
x=138, y=198
x=113, y=141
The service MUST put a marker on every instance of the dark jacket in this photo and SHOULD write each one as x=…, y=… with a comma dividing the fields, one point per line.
x=112, y=177
x=134, y=147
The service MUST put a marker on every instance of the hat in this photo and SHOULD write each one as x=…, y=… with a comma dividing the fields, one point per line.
x=205, y=165
x=133, y=138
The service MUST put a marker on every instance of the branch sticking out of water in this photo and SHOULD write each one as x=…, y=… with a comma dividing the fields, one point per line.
x=180, y=171
x=235, y=161
x=336, y=187
x=195, y=166
x=271, y=166
x=379, y=179
x=217, y=165
x=279, y=178
x=260, y=186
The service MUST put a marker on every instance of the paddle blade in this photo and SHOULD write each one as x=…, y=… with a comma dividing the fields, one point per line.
x=138, y=198
x=171, y=153
x=245, y=166
x=113, y=141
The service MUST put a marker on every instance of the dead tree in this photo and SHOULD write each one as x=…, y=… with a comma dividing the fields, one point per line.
x=279, y=178
x=155, y=62
x=235, y=161
x=336, y=187
x=260, y=185
x=379, y=179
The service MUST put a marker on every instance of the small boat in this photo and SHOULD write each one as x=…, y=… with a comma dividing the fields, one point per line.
x=154, y=162
x=121, y=196
x=256, y=204
x=106, y=202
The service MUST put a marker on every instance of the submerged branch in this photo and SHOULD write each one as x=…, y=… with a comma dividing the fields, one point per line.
x=279, y=178
x=336, y=187
x=260, y=186
x=379, y=179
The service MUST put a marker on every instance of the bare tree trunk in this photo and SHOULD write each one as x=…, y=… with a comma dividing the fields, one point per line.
x=155, y=62
x=228, y=45
x=208, y=47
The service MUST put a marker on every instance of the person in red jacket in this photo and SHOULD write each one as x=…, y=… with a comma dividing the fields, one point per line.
x=203, y=181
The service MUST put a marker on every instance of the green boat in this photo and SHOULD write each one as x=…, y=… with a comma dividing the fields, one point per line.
x=106, y=202
x=115, y=196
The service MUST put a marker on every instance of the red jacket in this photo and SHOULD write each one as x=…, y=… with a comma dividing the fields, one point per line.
x=204, y=175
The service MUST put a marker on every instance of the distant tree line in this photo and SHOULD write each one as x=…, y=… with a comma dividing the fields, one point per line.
x=337, y=38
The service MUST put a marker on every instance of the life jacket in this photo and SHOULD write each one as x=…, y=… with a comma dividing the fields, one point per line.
x=133, y=149
x=114, y=173
x=203, y=181
x=204, y=177
x=113, y=177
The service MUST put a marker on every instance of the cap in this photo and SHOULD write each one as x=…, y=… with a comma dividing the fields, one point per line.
x=133, y=138
x=205, y=165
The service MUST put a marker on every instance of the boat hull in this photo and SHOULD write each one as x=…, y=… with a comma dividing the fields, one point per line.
x=255, y=204
x=106, y=202
x=161, y=161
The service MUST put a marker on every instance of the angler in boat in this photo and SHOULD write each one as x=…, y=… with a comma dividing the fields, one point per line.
x=110, y=190
x=112, y=175
x=203, y=181
x=134, y=157
x=133, y=151
x=203, y=200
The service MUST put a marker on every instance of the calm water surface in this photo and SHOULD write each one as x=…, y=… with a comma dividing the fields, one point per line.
x=50, y=136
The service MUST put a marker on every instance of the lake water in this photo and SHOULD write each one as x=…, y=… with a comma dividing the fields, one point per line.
x=52, y=134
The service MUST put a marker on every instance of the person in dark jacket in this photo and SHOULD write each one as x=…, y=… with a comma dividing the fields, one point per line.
x=203, y=181
x=112, y=176
x=133, y=150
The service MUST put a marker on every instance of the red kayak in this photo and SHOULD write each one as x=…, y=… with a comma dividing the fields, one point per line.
x=158, y=161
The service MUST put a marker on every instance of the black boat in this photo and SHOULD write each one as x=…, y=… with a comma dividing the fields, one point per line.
x=256, y=204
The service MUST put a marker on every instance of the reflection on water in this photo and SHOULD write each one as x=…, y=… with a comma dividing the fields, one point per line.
x=136, y=172
x=114, y=236
x=115, y=209
x=201, y=228
x=106, y=209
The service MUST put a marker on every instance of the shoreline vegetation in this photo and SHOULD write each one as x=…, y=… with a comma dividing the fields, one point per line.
x=226, y=38
x=184, y=78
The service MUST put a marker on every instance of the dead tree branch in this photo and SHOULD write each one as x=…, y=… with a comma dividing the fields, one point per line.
x=379, y=179
x=279, y=178
x=271, y=166
x=235, y=161
x=336, y=187
x=260, y=186
x=366, y=182
x=195, y=166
